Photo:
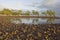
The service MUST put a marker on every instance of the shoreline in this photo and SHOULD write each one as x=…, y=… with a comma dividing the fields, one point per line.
x=27, y=16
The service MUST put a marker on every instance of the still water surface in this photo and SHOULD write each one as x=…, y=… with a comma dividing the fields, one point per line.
x=34, y=20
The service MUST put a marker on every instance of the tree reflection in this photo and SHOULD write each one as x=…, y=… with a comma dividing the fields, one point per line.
x=50, y=20
x=16, y=20
x=35, y=20
x=27, y=19
x=32, y=20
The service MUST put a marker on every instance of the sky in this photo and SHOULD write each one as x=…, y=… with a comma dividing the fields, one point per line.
x=18, y=4
x=31, y=5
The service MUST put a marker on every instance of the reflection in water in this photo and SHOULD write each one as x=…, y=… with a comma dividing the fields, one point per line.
x=50, y=20
x=32, y=20
x=35, y=20
x=16, y=20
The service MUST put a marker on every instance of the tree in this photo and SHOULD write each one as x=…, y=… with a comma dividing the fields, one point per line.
x=50, y=20
x=16, y=12
x=27, y=12
x=49, y=13
x=19, y=12
x=35, y=12
x=44, y=13
x=1, y=12
x=6, y=12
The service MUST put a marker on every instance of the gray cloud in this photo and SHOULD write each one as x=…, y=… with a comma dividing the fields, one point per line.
x=53, y=6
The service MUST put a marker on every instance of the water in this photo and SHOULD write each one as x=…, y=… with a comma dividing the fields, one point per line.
x=34, y=20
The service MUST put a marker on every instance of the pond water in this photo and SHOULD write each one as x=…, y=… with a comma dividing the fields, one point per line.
x=34, y=20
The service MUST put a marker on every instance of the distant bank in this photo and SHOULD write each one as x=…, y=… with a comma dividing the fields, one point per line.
x=27, y=16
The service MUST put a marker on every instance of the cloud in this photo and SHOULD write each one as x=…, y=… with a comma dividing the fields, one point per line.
x=1, y=7
x=50, y=2
x=53, y=5
x=17, y=5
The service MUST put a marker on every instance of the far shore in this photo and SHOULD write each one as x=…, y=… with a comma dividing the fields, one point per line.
x=28, y=16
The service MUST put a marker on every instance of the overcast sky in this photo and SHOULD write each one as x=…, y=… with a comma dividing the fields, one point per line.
x=31, y=4
x=18, y=4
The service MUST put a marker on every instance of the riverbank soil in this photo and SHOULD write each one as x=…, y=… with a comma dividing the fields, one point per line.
x=10, y=31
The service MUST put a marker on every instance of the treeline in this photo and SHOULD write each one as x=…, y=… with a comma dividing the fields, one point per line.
x=20, y=12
